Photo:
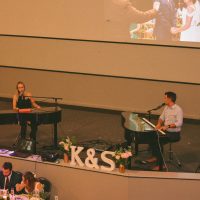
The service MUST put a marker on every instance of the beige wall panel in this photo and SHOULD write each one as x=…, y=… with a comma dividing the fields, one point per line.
x=70, y=183
x=150, y=62
x=165, y=189
x=99, y=91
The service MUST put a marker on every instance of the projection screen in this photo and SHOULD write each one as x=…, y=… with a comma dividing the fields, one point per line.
x=159, y=22
x=167, y=22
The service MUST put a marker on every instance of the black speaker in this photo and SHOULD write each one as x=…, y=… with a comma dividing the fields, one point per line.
x=26, y=146
x=49, y=156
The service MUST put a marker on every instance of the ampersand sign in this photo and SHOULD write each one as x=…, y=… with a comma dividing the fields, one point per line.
x=90, y=161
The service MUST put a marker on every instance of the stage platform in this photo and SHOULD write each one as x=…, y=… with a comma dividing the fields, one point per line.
x=103, y=125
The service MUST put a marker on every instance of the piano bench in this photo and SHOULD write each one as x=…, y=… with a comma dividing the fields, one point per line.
x=172, y=157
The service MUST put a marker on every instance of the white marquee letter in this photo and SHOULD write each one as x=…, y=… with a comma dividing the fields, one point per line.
x=74, y=156
x=108, y=161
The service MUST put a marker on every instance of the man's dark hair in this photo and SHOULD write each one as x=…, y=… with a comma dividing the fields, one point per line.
x=171, y=95
x=7, y=165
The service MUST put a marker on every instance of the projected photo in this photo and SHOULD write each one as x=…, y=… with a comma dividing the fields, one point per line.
x=153, y=20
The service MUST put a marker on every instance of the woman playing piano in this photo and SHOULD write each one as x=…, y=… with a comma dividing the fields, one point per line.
x=23, y=101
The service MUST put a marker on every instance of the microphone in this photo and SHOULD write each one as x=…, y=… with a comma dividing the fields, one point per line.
x=21, y=94
x=157, y=108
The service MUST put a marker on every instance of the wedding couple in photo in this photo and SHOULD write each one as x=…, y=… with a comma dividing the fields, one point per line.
x=166, y=27
x=123, y=13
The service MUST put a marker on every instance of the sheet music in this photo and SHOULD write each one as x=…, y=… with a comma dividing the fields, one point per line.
x=148, y=122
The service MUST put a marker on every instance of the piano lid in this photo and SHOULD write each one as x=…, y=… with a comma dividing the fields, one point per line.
x=45, y=115
x=134, y=123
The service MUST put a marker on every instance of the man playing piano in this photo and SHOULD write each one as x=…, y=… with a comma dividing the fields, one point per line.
x=23, y=100
x=170, y=121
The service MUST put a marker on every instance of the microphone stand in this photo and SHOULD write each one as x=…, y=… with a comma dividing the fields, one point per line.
x=56, y=102
x=149, y=115
x=149, y=111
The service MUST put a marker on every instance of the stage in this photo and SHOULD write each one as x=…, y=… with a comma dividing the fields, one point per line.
x=89, y=125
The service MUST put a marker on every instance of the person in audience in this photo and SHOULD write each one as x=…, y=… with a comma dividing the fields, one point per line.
x=8, y=177
x=24, y=100
x=29, y=184
x=170, y=121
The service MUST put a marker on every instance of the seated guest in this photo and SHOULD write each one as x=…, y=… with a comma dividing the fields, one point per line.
x=8, y=177
x=29, y=184
x=23, y=100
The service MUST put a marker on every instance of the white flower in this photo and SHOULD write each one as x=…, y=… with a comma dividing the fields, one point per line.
x=66, y=144
x=117, y=157
x=61, y=143
x=68, y=140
